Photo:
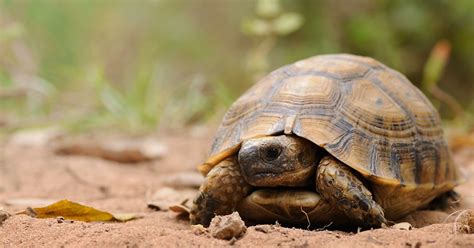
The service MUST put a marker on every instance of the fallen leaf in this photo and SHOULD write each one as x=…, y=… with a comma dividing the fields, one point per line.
x=402, y=226
x=166, y=197
x=182, y=210
x=123, y=151
x=35, y=137
x=123, y=217
x=74, y=211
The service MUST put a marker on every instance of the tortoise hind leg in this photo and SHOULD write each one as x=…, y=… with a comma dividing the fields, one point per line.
x=223, y=189
x=337, y=184
x=450, y=199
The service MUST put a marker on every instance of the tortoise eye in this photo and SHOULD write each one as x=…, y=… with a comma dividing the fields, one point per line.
x=271, y=153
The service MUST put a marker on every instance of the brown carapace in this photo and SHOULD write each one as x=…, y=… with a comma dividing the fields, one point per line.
x=368, y=118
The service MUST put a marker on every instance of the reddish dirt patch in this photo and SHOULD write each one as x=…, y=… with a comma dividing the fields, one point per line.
x=36, y=172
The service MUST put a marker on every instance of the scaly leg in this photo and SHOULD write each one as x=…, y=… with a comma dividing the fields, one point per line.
x=221, y=192
x=337, y=184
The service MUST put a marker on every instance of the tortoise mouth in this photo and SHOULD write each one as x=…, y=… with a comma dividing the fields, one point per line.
x=264, y=172
x=265, y=178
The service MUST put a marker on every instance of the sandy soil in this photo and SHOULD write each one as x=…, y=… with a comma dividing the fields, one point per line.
x=36, y=172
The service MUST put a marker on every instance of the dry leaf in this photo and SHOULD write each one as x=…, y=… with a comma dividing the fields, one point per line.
x=123, y=151
x=402, y=226
x=165, y=198
x=35, y=137
x=123, y=217
x=75, y=211
x=182, y=210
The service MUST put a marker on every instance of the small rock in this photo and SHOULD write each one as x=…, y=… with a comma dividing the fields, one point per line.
x=198, y=229
x=3, y=216
x=227, y=227
x=165, y=198
x=402, y=226
x=232, y=241
x=61, y=219
x=30, y=212
x=416, y=245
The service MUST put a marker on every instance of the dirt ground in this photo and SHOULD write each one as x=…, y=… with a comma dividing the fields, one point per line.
x=36, y=173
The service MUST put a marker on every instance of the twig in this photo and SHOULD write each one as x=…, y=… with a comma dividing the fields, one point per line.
x=307, y=217
x=324, y=227
x=455, y=227
x=451, y=214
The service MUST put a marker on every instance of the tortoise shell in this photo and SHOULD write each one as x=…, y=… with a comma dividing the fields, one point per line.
x=365, y=114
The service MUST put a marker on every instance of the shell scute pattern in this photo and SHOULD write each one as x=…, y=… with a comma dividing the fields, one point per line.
x=363, y=113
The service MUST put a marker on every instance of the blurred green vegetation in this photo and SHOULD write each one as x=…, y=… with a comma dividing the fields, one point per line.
x=140, y=65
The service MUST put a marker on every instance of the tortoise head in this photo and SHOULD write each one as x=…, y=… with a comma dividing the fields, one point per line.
x=278, y=161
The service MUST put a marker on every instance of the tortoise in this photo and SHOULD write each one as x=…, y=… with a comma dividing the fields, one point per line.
x=340, y=139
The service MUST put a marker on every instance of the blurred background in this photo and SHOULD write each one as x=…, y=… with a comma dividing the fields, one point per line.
x=143, y=65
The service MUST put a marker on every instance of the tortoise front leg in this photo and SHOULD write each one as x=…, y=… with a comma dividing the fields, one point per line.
x=223, y=189
x=337, y=184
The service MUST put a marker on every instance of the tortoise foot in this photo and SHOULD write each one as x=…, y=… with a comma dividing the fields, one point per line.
x=342, y=189
x=222, y=190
